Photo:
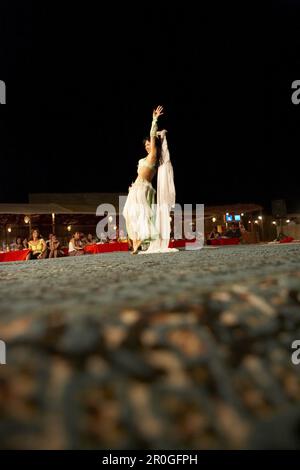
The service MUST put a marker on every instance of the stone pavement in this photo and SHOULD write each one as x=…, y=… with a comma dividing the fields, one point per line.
x=187, y=350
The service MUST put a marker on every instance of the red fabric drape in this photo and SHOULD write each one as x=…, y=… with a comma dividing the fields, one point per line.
x=19, y=255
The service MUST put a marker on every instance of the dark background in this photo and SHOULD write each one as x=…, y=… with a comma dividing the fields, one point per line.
x=82, y=82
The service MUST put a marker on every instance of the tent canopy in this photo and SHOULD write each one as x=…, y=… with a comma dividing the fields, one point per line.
x=29, y=209
x=87, y=203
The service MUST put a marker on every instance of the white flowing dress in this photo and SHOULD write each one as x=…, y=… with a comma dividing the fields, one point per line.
x=146, y=219
x=139, y=209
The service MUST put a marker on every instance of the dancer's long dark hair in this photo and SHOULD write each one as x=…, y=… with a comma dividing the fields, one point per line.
x=158, y=146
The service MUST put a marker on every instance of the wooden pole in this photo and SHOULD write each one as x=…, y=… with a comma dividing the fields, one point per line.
x=53, y=223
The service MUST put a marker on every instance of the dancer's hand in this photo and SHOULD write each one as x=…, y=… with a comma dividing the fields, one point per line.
x=162, y=133
x=158, y=112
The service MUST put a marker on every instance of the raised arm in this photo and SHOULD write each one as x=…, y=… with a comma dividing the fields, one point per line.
x=156, y=113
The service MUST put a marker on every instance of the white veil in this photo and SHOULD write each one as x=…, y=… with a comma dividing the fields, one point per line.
x=165, y=201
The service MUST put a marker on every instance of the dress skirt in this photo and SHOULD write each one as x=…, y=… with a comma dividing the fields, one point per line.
x=139, y=211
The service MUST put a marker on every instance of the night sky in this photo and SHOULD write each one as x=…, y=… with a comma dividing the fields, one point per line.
x=82, y=83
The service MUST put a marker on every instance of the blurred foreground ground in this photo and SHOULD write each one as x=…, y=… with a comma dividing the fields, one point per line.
x=181, y=350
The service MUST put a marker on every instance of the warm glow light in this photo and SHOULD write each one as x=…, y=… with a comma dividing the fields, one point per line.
x=288, y=221
x=53, y=216
x=26, y=219
x=9, y=229
x=69, y=228
x=256, y=221
x=115, y=227
x=214, y=219
x=249, y=221
x=242, y=214
x=227, y=213
x=274, y=222
x=260, y=217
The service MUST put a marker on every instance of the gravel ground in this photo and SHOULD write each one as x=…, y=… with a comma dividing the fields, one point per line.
x=180, y=350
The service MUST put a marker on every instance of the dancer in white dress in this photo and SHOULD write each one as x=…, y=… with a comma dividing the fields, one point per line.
x=144, y=219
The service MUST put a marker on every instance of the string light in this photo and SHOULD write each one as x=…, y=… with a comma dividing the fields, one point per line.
x=260, y=217
x=256, y=221
x=288, y=221
x=26, y=219
x=214, y=219
x=274, y=222
x=69, y=228
x=9, y=229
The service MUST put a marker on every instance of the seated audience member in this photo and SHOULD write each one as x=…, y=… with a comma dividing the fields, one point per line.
x=122, y=237
x=242, y=227
x=102, y=238
x=49, y=240
x=90, y=240
x=18, y=245
x=54, y=248
x=76, y=245
x=48, y=244
x=37, y=246
x=83, y=239
x=25, y=244
x=214, y=234
x=233, y=232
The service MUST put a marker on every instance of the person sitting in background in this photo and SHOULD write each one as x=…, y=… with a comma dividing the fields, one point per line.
x=54, y=248
x=102, y=238
x=83, y=240
x=233, y=232
x=122, y=237
x=25, y=243
x=76, y=245
x=214, y=234
x=242, y=227
x=90, y=240
x=18, y=245
x=49, y=240
x=37, y=246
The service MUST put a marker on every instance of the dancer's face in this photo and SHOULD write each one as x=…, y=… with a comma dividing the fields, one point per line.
x=147, y=146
